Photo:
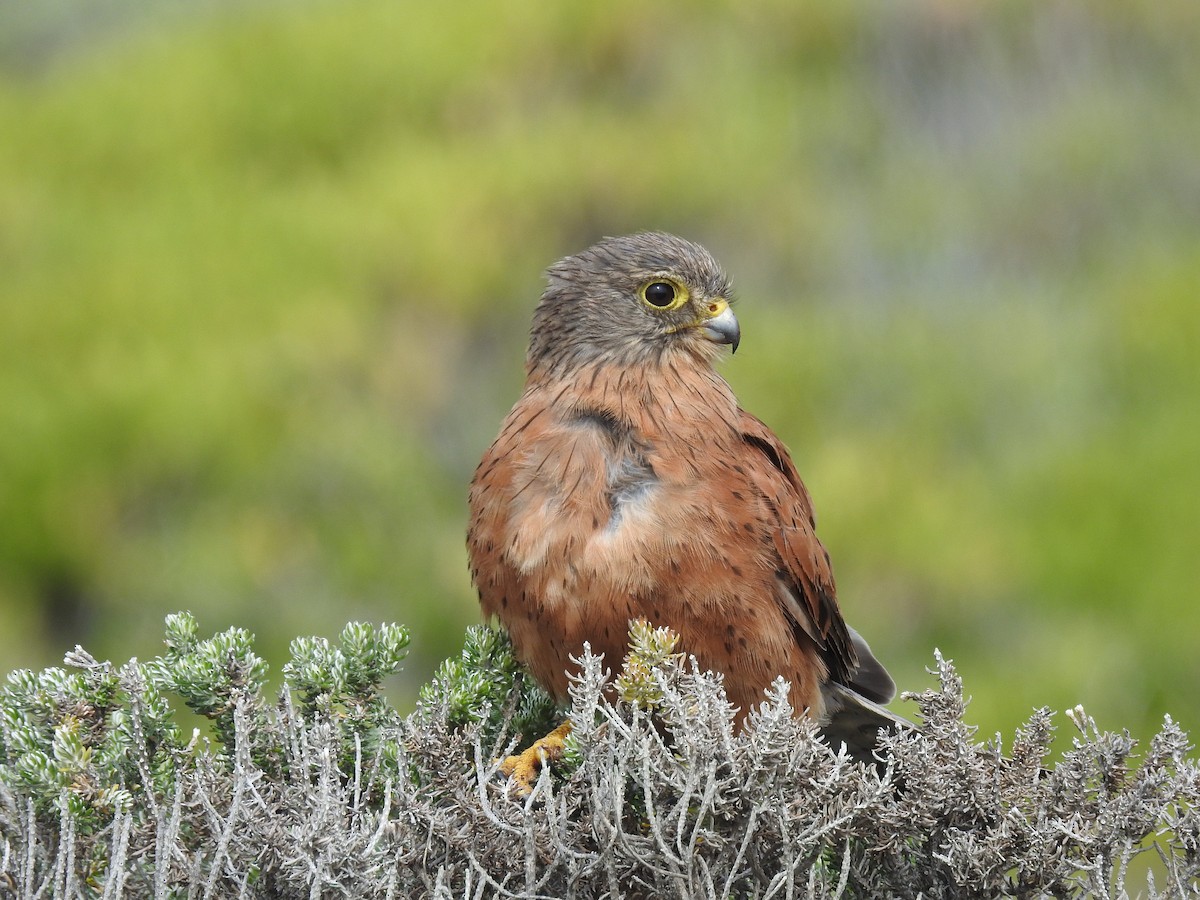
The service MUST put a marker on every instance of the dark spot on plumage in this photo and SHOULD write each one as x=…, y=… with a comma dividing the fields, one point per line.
x=630, y=478
x=606, y=421
x=729, y=630
x=729, y=646
x=739, y=469
x=504, y=602
x=770, y=452
x=748, y=526
x=737, y=573
x=742, y=642
x=737, y=495
x=675, y=566
x=631, y=484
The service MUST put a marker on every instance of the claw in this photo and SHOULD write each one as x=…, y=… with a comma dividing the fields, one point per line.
x=523, y=768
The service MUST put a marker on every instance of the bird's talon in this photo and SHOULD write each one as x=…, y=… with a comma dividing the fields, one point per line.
x=522, y=769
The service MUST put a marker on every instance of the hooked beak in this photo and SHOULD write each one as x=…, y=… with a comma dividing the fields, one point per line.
x=722, y=326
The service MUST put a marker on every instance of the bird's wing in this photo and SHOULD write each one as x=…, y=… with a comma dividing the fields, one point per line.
x=807, y=591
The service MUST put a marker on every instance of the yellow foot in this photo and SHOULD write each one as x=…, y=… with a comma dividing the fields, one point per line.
x=523, y=768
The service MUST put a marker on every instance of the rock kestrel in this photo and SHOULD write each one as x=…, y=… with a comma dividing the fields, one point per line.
x=626, y=483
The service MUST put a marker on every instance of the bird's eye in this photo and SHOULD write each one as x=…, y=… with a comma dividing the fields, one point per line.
x=660, y=294
x=663, y=294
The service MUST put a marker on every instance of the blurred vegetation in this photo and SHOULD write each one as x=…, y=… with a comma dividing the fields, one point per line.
x=266, y=270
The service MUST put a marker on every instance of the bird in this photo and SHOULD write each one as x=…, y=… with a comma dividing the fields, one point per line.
x=627, y=483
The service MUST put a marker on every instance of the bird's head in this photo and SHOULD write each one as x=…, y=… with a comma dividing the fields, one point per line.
x=632, y=301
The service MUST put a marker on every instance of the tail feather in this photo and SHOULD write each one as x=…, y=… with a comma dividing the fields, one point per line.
x=870, y=678
x=855, y=721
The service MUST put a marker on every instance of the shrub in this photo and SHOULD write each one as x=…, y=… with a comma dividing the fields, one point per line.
x=329, y=792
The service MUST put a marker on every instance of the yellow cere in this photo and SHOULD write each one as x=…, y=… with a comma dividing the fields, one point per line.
x=710, y=310
x=715, y=307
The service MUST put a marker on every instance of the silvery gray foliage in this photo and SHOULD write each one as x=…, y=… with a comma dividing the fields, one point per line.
x=659, y=798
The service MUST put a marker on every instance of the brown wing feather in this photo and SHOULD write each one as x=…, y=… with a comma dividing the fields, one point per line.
x=810, y=601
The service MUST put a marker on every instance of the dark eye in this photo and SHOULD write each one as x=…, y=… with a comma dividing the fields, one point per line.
x=660, y=294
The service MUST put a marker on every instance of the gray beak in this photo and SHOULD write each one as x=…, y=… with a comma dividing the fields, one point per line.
x=724, y=329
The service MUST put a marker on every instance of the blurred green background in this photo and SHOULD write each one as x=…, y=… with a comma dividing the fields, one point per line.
x=266, y=271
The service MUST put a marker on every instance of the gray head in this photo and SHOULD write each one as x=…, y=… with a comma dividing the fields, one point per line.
x=632, y=301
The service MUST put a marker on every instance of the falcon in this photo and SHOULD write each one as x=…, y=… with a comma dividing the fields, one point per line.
x=626, y=483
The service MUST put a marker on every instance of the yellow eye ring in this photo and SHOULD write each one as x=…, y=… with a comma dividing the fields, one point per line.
x=663, y=294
